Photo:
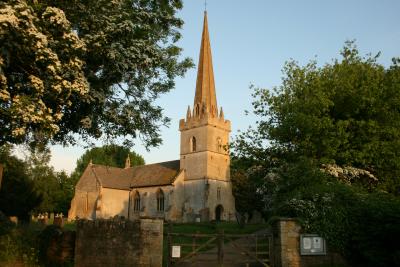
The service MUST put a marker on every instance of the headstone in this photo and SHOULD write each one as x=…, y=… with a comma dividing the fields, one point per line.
x=43, y=219
x=14, y=219
x=59, y=221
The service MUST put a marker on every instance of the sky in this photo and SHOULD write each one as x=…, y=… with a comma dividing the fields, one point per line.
x=251, y=40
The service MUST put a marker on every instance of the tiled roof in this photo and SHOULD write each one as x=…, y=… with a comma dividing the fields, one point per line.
x=157, y=174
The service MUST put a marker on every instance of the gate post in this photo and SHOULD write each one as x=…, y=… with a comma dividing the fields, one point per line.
x=220, y=240
x=169, y=244
x=286, y=243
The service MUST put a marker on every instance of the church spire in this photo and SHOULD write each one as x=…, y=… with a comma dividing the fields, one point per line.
x=205, y=87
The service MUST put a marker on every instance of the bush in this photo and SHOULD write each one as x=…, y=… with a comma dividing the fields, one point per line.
x=362, y=226
x=19, y=245
x=376, y=234
x=5, y=224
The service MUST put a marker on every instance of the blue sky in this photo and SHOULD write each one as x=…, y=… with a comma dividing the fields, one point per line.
x=251, y=40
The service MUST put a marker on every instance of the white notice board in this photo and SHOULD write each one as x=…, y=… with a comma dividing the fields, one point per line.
x=176, y=251
x=311, y=244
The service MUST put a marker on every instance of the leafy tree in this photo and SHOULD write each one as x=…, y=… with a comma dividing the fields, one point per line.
x=87, y=69
x=360, y=225
x=110, y=155
x=345, y=113
x=18, y=196
x=248, y=188
x=321, y=123
x=55, y=188
x=66, y=192
x=40, y=70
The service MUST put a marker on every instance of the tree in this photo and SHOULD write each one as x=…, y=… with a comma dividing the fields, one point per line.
x=339, y=213
x=321, y=134
x=87, y=69
x=345, y=113
x=248, y=187
x=55, y=188
x=110, y=155
x=18, y=196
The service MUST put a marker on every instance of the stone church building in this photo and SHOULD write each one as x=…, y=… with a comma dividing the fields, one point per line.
x=197, y=187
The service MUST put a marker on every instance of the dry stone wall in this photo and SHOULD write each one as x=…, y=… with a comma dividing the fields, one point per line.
x=122, y=243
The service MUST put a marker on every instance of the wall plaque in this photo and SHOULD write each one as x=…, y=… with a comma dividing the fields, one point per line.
x=176, y=251
x=311, y=244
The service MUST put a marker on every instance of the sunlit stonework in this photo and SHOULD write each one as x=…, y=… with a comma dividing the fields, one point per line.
x=197, y=187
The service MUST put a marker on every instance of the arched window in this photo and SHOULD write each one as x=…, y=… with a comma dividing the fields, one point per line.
x=136, y=202
x=193, y=144
x=219, y=144
x=160, y=200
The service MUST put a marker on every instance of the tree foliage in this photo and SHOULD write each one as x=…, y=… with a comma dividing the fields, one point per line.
x=248, y=188
x=345, y=113
x=322, y=141
x=86, y=69
x=55, y=188
x=18, y=196
x=360, y=225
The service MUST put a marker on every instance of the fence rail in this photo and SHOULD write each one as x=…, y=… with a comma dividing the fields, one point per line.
x=219, y=249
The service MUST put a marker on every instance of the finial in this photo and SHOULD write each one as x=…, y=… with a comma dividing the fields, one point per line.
x=188, y=113
x=205, y=5
x=127, y=162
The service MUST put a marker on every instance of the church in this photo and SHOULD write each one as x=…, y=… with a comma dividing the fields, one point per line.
x=195, y=188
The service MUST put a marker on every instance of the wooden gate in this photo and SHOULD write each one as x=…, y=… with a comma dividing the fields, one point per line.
x=220, y=249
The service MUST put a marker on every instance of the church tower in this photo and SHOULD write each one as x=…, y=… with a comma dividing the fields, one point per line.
x=204, y=152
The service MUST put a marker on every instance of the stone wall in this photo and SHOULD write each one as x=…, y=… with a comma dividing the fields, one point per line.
x=286, y=243
x=287, y=248
x=58, y=246
x=123, y=243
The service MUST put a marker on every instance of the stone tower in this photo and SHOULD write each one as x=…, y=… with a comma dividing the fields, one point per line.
x=203, y=154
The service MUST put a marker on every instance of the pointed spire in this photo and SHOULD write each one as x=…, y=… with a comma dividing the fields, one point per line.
x=205, y=86
x=127, y=162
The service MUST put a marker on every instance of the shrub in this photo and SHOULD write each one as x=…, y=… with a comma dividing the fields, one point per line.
x=19, y=245
x=362, y=226
x=5, y=224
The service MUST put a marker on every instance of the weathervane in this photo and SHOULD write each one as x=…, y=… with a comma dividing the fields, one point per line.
x=205, y=5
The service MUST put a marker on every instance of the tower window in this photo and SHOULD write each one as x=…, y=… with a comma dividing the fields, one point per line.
x=160, y=200
x=136, y=202
x=219, y=144
x=219, y=193
x=193, y=144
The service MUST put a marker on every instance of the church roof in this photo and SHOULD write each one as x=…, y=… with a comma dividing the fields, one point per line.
x=157, y=174
x=205, y=86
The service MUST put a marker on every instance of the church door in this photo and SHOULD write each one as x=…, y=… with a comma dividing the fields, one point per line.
x=218, y=213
